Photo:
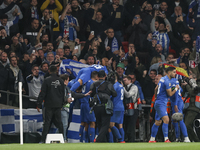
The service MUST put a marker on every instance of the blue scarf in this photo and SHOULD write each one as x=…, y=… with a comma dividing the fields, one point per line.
x=115, y=45
x=198, y=11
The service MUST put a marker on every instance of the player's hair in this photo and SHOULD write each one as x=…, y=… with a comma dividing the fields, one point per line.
x=43, y=63
x=169, y=69
x=53, y=69
x=94, y=74
x=129, y=78
x=34, y=67
x=64, y=77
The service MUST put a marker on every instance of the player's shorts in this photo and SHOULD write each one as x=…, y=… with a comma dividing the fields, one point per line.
x=117, y=117
x=85, y=113
x=180, y=106
x=84, y=74
x=161, y=110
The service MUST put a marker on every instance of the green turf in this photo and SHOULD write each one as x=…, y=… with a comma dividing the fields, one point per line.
x=103, y=146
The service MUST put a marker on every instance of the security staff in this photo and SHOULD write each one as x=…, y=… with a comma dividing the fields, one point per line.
x=103, y=90
x=191, y=110
x=52, y=92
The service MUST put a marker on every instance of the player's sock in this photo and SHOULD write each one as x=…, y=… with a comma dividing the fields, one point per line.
x=91, y=132
x=165, y=130
x=86, y=137
x=81, y=133
x=177, y=131
x=75, y=86
x=183, y=128
x=121, y=130
x=116, y=133
x=110, y=137
x=154, y=131
x=96, y=131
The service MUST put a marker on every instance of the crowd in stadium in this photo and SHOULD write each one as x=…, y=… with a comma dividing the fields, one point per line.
x=133, y=38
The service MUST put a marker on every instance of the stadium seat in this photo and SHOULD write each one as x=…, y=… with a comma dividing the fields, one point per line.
x=54, y=137
x=125, y=46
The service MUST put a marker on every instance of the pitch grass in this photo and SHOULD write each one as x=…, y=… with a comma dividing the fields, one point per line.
x=103, y=146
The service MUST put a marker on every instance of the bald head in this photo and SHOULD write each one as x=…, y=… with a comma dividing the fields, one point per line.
x=157, y=78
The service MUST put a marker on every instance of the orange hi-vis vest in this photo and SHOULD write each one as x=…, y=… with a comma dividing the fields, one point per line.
x=153, y=102
x=187, y=102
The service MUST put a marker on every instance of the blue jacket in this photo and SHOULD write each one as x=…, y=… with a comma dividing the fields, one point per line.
x=140, y=90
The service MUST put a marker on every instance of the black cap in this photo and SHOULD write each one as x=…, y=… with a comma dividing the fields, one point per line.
x=101, y=74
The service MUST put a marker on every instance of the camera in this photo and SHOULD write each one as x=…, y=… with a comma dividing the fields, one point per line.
x=111, y=77
x=192, y=83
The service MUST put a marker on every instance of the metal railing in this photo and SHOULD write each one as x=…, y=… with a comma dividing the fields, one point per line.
x=16, y=94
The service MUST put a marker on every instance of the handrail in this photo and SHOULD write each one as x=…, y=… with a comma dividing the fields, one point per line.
x=12, y=93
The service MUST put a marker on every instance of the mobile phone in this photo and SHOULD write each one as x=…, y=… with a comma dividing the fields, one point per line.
x=76, y=47
x=92, y=32
x=33, y=52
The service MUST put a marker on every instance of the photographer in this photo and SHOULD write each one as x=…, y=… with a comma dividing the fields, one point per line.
x=191, y=107
x=101, y=92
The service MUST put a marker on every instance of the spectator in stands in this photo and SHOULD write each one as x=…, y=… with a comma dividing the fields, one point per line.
x=162, y=35
x=7, y=24
x=32, y=32
x=90, y=60
x=98, y=25
x=179, y=43
x=69, y=26
x=90, y=12
x=137, y=31
x=49, y=22
x=18, y=47
x=182, y=3
x=31, y=13
x=86, y=5
x=158, y=51
x=4, y=77
x=60, y=53
x=155, y=4
x=34, y=81
x=67, y=52
x=164, y=9
x=139, y=68
x=120, y=18
x=44, y=68
x=79, y=14
x=75, y=58
x=14, y=77
x=129, y=5
x=55, y=7
x=12, y=11
x=120, y=72
x=147, y=14
x=112, y=44
x=50, y=57
x=4, y=39
x=148, y=85
x=50, y=48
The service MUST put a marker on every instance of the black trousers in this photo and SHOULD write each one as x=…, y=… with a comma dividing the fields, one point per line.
x=189, y=119
x=52, y=115
x=129, y=126
x=103, y=122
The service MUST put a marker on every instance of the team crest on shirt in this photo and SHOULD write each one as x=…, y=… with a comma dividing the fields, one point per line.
x=169, y=84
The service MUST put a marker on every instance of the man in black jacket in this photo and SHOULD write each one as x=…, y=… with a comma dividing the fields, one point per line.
x=4, y=76
x=53, y=93
x=103, y=90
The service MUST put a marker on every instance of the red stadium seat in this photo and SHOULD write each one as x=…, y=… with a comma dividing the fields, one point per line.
x=125, y=45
